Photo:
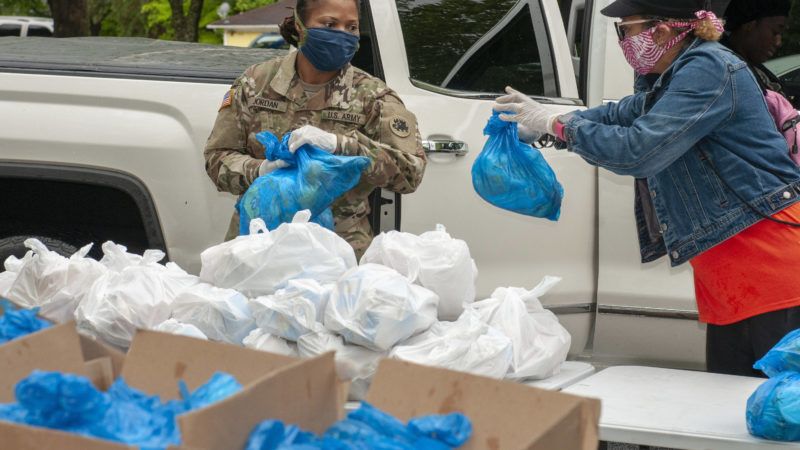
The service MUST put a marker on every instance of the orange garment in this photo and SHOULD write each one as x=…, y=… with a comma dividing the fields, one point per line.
x=754, y=272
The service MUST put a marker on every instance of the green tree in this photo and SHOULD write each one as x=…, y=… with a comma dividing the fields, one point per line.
x=246, y=5
x=158, y=17
x=36, y=8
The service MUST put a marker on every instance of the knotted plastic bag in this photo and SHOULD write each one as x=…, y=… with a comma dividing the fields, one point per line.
x=783, y=357
x=377, y=307
x=540, y=342
x=515, y=176
x=433, y=260
x=313, y=180
x=773, y=410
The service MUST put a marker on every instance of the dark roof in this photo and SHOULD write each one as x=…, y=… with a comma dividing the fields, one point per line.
x=129, y=58
x=266, y=15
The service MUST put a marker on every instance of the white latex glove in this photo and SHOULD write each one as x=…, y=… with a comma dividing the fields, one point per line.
x=270, y=166
x=532, y=116
x=309, y=134
x=526, y=135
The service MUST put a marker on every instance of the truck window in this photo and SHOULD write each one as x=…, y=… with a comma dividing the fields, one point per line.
x=10, y=29
x=364, y=58
x=37, y=30
x=478, y=46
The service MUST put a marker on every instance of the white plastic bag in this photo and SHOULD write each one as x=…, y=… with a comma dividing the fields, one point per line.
x=231, y=263
x=433, y=260
x=541, y=343
x=377, y=307
x=466, y=345
x=172, y=326
x=259, y=339
x=138, y=295
x=353, y=362
x=52, y=282
x=12, y=266
x=294, y=311
x=296, y=250
x=221, y=314
x=41, y=277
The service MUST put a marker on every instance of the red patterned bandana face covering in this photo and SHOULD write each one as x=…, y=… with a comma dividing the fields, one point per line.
x=642, y=52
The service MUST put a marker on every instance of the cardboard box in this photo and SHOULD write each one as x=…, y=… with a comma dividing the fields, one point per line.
x=505, y=415
x=275, y=386
x=54, y=348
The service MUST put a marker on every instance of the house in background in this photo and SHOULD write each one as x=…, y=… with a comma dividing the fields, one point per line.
x=242, y=29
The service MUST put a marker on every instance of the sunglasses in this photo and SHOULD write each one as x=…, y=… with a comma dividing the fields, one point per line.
x=622, y=27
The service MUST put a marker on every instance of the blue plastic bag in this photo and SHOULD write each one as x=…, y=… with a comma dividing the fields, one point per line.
x=313, y=180
x=452, y=429
x=773, y=410
x=514, y=176
x=367, y=428
x=122, y=414
x=15, y=323
x=783, y=357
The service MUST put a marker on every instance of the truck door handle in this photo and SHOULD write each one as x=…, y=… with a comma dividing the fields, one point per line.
x=448, y=146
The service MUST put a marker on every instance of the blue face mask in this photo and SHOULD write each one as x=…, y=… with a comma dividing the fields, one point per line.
x=327, y=50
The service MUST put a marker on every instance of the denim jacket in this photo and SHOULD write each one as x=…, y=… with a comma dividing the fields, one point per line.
x=704, y=116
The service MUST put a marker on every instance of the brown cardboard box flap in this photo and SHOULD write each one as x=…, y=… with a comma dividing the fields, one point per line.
x=23, y=437
x=157, y=361
x=504, y=415
x=54, y=349
x=306, y=393
x=93, y=349
x=101, y=372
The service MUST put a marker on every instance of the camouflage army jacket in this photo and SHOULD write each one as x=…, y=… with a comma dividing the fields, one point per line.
x=368, y=119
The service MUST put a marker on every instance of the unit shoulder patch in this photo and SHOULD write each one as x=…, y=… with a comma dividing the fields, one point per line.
x=399, y=126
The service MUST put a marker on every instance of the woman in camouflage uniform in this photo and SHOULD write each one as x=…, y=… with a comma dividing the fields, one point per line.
x=323, y=100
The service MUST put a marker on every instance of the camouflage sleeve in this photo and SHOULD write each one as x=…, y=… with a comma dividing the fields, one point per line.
x=228, y=164
x=392, y=140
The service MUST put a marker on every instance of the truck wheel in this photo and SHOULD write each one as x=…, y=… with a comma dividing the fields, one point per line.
x=15, y=245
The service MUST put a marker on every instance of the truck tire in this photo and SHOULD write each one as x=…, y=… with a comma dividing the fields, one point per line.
x=15, y=245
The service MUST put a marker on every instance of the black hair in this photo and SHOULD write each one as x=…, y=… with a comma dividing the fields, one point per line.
x=741, y=12
x=303, y=8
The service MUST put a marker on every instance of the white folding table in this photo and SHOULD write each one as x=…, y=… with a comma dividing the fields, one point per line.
x=670, y=408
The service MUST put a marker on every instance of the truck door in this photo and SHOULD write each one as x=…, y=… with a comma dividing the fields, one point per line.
x=448, y=59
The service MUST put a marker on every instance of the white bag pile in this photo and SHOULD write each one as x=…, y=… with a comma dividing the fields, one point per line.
x=264, y=261
x=540, y=342
x=353, y=362
x=433, y=260
x=466, y=345
x=297, y=291
x=259, y=339
x=135, y=292
x=172, y=326
x=377, y=307
x=293, y=311
x=220, y=314
x=52, y=282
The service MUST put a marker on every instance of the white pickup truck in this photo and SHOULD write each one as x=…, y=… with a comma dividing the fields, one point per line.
x=103, y=138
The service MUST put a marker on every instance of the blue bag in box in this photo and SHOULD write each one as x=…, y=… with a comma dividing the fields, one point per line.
x=513, y=175
x=312, y=181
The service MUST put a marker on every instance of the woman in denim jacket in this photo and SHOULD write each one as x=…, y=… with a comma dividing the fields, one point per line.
x=714, y=179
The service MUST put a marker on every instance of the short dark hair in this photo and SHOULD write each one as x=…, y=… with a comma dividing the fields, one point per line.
x=303, y=8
